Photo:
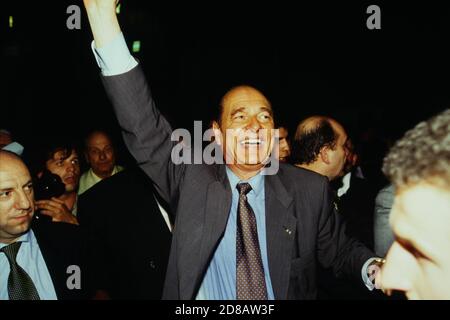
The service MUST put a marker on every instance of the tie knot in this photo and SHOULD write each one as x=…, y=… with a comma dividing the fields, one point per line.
x=244, y=188
x=11, y=250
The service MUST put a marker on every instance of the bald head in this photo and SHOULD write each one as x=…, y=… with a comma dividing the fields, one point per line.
x=243, y=93
x=313, y=123
x=9, y=159
x=239, y=95
x=319, y=145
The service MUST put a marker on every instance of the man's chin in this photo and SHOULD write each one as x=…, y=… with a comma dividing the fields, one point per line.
x=71, y=188
x=250, y=167
x=21, y=224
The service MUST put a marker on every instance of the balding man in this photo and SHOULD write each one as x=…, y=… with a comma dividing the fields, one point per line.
x=320, y=145
x=36, y=257
x=101, y=156
x=239, y=234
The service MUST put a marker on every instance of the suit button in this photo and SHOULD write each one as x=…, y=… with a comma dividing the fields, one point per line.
x=152, y=264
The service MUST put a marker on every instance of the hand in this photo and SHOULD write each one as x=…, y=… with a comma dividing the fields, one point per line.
x=101, y=5
x=103, y=20
x=56, y=209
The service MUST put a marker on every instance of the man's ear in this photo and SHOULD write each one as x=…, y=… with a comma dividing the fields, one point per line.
x=323, y=154
x=217, y=133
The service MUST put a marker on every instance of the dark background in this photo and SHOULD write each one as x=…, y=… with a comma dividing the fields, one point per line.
x=307, y=58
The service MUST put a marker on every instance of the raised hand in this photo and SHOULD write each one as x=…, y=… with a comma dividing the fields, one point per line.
x=106, y=5
x=57, y=210
x=103, y=20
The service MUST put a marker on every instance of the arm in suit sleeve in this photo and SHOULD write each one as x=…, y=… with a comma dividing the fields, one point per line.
x=382, y=230
x=146, y=132
x=345, y=255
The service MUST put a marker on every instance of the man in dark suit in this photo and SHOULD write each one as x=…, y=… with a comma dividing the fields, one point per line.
x=39, y=260
x=321, y=144
x=132, y=265
x=238, y=234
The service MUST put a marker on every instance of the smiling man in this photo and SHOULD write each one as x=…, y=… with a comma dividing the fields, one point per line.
x=239, y=234
x=246, y=119
x=418, y=263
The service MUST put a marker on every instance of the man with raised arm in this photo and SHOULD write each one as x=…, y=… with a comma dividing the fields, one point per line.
x=239, y=234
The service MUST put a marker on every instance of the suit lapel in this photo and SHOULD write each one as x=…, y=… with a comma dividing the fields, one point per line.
x=218, y=205
x=51, y=260
x=281, y=230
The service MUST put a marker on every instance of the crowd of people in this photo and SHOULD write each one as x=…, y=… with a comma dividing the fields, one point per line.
x=315, y=228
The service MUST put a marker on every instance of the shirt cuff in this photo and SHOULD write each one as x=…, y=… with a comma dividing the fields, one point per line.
x=114, y=58
x=367, y=281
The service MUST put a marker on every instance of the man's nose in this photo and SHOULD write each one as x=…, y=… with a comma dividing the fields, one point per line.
x=24, y=201
x=398, y=270
x=71, y=167
x=254, y=124
x=102, y=155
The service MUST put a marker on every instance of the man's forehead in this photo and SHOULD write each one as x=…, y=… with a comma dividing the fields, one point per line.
x=244, y=96
x=13, y=173
x=99, y=137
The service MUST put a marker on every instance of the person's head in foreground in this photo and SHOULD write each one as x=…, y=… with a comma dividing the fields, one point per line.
x=418, y=263
x=16, y=197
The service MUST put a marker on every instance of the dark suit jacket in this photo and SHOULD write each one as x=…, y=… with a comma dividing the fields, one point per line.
x=62, y=246
x=129, y=239
x=357, y=206
x=302, y=228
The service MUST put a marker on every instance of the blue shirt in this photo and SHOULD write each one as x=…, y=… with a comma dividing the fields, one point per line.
x=219, y=282
x=31, y=260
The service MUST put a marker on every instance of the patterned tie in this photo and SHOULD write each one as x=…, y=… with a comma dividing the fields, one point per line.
x=20, y=285
x=250, y=281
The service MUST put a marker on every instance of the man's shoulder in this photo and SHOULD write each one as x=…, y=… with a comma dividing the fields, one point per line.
x=385, y=197
x=56, y=234
x=125, y=179
x=301, y=176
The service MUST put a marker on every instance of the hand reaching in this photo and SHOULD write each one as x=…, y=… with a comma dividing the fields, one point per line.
x=103, y=20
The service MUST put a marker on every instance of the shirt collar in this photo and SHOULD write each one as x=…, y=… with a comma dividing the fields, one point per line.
x=255, y=182
x=23, y=238
x=96, y=178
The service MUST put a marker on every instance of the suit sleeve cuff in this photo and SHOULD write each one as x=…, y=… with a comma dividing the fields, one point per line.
x=114, y=58
x=367, y=281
